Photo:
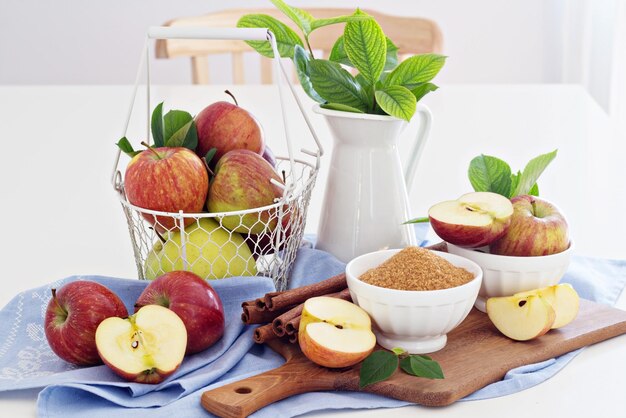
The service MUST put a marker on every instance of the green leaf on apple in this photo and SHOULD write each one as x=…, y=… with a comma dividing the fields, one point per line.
x=490, y=174
x=286, y=38
x=157, y=126
x=378, y=366
x=126, y=147
x=421, y=366
x=534, y=191
x=176, y=123
x=531, y=173
x=209, y=155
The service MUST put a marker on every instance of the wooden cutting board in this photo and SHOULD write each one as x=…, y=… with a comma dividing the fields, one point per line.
x=475, y=356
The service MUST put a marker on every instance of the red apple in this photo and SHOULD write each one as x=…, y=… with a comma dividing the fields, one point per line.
x=146, y=347
x=72, y=317
x=241, y=182
x=167, y=179
x=473, y=220
x=268, y=154
x=262, y=244
x=194, y=301
x=537, y=228
x=226, y=127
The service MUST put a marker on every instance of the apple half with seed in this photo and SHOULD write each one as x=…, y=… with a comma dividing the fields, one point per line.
x=146, y=347
x=473, y=220
x=564, y=300
x=521, y=318
x=334, y=332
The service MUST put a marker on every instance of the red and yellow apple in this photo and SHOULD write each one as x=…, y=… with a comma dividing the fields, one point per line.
x=334, y=332
x=226, y=127
x=146, y=347
x=537, y=228
x=168, y=180
x=473, y=220
x=194, y=301
x=241, y=182
x=72, y=317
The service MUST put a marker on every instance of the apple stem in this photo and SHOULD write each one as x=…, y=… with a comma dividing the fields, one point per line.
x=54, y=297
x=206, y=165
x=145, y=144
x=233, y=96
x=284, y=177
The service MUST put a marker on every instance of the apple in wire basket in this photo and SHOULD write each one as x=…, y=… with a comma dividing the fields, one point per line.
x=194, y=301
x=167, y=179
x=243, y=181
x=72, y=317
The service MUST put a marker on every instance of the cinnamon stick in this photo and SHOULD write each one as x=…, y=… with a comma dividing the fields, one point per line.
x=252, y=315
x=281, y=300
x=263, y=334
x=279, y=321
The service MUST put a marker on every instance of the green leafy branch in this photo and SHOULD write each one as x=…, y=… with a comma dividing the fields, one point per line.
x=382, y=364
x=381, y=86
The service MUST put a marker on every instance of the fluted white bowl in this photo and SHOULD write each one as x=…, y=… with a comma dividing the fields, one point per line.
x=507, y=275
x=416, y=321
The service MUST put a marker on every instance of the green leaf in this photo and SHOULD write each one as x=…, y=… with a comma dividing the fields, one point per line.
x=298, y=16
x=176, y=123
x=397, y=101
x=301, y=60
x=391, y=59
x=514, y=182
x=366, y=47
x=534, y=191
x=416, y=70
x=378, y=366
x=532, y=171
x=157, y=125
x=398, y=351
x=490, y=174
x=423, y=89
x=210, y=154
x=340, y=107
x=421, y=366
x=286, y=38
x=318, y=23
x=191, y=139
x=126, y=147
x=336, y=85
x=420, y=220
x=338, y=54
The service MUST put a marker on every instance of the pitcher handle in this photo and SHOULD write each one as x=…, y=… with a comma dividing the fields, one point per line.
x=423, y=130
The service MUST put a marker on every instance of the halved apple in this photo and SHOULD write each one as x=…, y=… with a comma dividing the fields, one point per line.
x=145, y=347
x=334, y=332
x=564, y=301
x=521, y=318
x=473, y=220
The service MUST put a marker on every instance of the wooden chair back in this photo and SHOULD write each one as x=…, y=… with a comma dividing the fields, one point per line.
x=412, y=35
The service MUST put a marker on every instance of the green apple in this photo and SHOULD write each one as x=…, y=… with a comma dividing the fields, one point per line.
x=212, y=253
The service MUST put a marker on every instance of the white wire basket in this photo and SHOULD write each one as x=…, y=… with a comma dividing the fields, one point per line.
x=257, y=241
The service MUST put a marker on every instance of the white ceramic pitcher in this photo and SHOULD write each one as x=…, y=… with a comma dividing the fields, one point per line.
x=366, y=201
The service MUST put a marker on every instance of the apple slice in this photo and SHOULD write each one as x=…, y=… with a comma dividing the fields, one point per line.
x=521, y=318
x=335, y=333
x=145, y=347
x=473, y=220
x=564, y=301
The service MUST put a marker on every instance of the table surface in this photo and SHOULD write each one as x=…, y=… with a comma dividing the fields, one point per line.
x=63, y=218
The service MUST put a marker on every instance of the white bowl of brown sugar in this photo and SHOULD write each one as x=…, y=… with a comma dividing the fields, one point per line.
x=414, y=296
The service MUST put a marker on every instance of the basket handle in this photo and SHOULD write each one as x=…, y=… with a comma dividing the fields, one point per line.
x=244, y=34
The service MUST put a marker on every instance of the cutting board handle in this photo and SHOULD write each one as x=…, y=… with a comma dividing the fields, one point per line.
x=240, y=399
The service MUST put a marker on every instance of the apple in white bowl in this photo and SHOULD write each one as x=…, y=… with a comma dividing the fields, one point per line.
x=537, y=228
x=473, y=220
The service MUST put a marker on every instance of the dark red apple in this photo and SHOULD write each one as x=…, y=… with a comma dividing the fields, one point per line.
x=241, y=182
x=194, y=301
x=72, y=317
x=268, y=154
x=226, y=127
x=169, y=180
x=537, y=228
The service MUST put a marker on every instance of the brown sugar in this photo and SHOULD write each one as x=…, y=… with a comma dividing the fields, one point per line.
x=416, y=268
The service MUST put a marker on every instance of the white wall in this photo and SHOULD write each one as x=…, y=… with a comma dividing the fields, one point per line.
x=89, y=42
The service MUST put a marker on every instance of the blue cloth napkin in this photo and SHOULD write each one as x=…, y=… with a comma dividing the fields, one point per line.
x=27, y=362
